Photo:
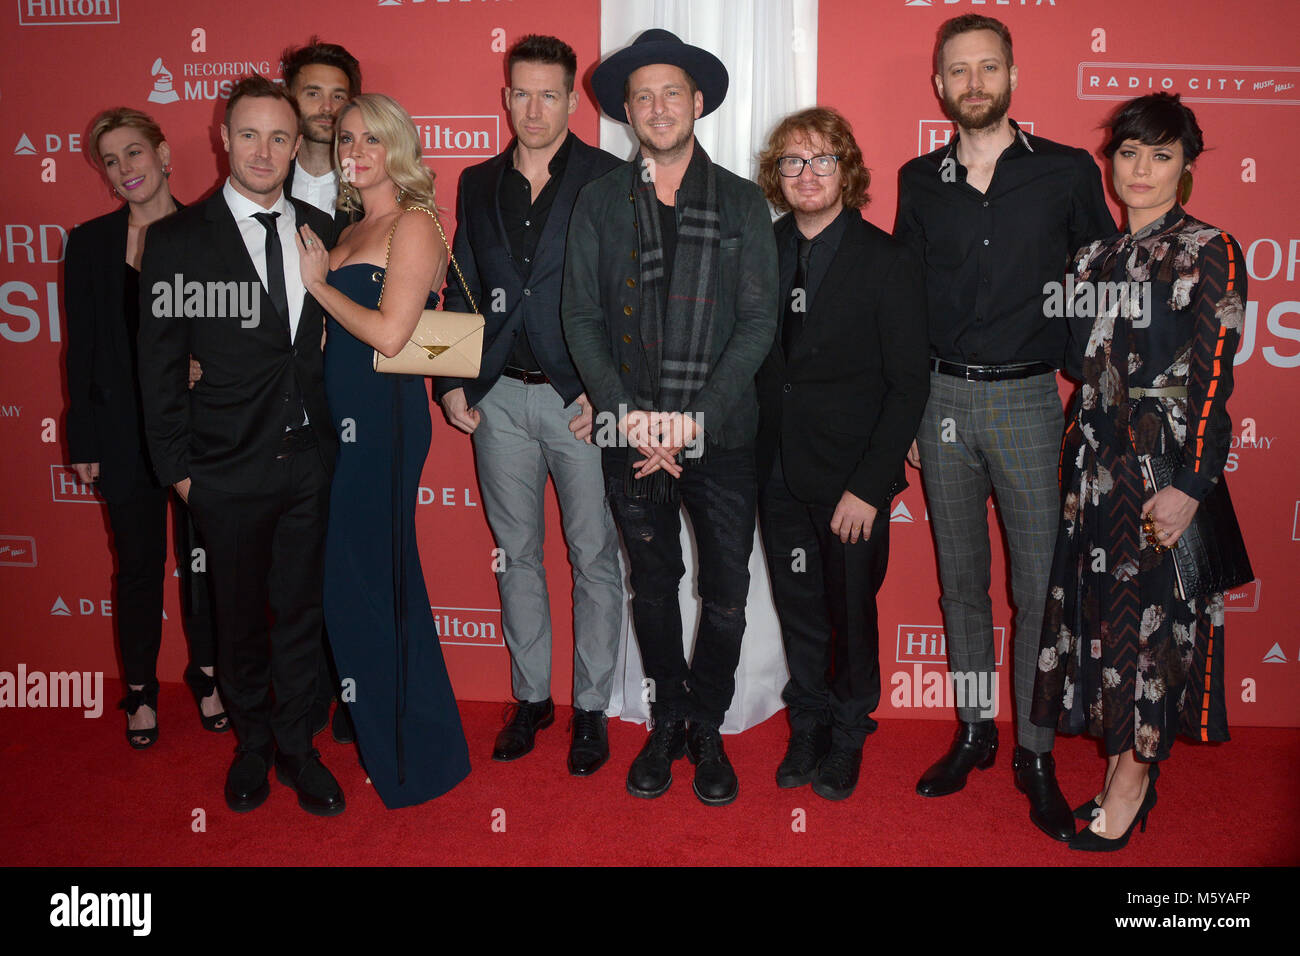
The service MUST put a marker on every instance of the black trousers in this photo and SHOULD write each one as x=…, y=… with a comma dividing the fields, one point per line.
x=719, y=494
x=825, y=596
x=266, y=559
x=139, y=527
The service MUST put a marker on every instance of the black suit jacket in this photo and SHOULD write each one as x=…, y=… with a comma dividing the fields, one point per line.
x=844, y=407
x=531, y=302
x=341, y=218
x=104, y=416
x=226, y=432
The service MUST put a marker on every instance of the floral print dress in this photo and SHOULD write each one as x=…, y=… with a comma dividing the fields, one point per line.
x=1122, y=657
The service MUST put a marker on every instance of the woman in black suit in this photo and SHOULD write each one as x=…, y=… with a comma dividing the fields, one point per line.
x=101, y=288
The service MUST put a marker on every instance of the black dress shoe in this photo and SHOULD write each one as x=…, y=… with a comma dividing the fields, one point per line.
x=715, y=781
x=318, y=791
x=589, y=746
x=341, y=728
x=246, y=784
x=1036, y=779
x=651, y=773
x=837, y=774
x=804, y=752
x=976, y=745
x=517, y=736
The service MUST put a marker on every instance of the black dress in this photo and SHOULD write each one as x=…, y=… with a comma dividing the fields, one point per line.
x=1122, y=657
x=377, y=612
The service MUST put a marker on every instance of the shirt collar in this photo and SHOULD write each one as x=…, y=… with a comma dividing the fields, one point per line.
x=833, y=232
x=556, y=166
x=241, y=207
x=1020, y=139
x=324, y=179
x=1160, y=225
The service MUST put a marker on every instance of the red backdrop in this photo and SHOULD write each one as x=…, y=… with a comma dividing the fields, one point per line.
x=62, y=62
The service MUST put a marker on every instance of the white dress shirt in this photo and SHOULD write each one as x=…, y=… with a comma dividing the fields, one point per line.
x=318, y=191
x=254, y=233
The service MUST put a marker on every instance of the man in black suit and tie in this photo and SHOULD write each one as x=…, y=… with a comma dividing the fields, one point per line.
x=251, y=448
x=527, y=410
x=840, y=396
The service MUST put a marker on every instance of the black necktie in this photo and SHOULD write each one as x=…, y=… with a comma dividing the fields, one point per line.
x=274, y=264
x=797, y=305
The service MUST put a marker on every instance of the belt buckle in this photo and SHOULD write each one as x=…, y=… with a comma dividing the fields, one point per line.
x=973, y=373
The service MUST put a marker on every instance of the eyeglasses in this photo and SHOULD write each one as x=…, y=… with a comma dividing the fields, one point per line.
x=792, y=166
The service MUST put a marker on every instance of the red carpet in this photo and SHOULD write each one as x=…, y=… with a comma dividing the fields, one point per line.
x=75, y=795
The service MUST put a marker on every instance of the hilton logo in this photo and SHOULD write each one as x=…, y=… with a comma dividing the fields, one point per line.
x=927, y=644
x=935, y=134
x=458, y=137
x=66, y=487
x=479, y=626
x=63, y=13
x=18, y=551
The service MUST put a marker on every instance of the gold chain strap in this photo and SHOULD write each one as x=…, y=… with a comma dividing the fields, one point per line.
x=388, y=252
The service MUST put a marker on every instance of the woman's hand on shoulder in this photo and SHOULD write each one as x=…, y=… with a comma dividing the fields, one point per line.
x=313, y=258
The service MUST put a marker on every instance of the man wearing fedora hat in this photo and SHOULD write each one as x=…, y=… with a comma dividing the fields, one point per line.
x=669, y=308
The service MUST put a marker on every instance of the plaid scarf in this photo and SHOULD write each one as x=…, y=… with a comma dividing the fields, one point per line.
x=676, y=315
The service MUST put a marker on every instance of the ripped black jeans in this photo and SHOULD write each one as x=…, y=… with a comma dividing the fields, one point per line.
x=720, y=494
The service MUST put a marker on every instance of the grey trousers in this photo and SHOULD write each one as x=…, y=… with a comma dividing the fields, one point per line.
x=522, y=435
x=1004, y=437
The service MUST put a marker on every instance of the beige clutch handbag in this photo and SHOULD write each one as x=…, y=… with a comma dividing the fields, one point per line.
x=443, y=343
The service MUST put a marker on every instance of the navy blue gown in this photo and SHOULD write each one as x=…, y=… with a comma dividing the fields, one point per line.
x=377, y=613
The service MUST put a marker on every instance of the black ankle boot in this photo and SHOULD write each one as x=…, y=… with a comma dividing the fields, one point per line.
x=976, y=745
x=1036, y=779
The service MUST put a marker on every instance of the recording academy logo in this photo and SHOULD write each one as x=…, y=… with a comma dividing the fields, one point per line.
x=1244, y=598
x=1275, y=655
x=66, y=487
x=202, y=79
x=1198, y=83
x=927, y=644
x=17, y=551
x=66, y=13
x=476, y=626
x=163, y=91
x=935, y=134
x=458, y=137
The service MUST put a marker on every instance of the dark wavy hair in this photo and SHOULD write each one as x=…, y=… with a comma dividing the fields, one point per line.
x=1154, y=120
x=327, y=54
x=536, y=48
x=832, y=127
x=968, y=23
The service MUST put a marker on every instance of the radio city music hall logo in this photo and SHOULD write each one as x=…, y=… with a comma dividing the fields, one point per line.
x=478, y=626
x=458, y=137
x=66, y=13
x=1273, y=85
x=17, y=551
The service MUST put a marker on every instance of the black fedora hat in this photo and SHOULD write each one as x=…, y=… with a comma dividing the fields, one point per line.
x=658, y=46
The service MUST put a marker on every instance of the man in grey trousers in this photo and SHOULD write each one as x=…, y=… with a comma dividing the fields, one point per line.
x=995, y=216
x=527, y=411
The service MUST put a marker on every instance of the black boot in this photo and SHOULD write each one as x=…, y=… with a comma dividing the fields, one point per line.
x=715, y=781
x=651, y=773
x=976, y=745
x=1036, y=779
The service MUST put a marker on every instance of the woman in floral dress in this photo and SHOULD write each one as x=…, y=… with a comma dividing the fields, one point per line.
x=1157, y=310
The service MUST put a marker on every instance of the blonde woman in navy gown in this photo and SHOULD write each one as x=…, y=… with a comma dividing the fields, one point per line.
x=374, y=284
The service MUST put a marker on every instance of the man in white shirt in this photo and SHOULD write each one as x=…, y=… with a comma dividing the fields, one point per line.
x=251, y=447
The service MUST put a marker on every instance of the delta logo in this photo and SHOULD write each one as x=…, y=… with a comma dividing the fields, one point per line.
x=66, y=13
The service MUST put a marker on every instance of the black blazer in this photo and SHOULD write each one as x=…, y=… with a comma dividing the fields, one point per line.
x=104, y=414
x=531, y=302
x=845, y=405
x=341, y=218
x=226, y=432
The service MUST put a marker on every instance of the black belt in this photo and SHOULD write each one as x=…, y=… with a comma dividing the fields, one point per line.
x=990, y=373
x=528, y=378
x=295, y=440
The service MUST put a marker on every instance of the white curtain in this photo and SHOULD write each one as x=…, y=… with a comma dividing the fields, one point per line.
x=770, y=50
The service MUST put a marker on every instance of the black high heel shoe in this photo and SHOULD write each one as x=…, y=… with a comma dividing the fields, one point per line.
x=1089, y=841
x=146, y=696
x=1086, y=811
x=202, y=685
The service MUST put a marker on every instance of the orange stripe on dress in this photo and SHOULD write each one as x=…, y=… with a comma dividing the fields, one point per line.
x=1218, y=355
x=1205, y=698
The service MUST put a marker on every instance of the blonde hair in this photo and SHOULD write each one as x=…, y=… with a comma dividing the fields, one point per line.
x=388, y=122
x=116, y=118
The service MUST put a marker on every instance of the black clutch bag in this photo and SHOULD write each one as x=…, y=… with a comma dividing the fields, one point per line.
x=1211, y=555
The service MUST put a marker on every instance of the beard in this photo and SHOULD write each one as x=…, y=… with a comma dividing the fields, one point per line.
x=685, y=136
x=313, y=133
x=977, y=119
